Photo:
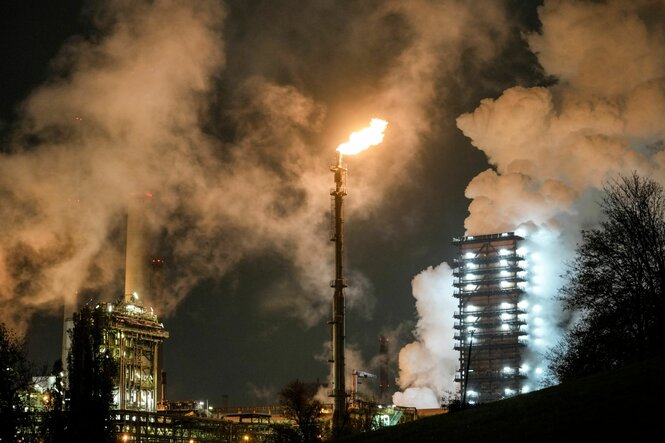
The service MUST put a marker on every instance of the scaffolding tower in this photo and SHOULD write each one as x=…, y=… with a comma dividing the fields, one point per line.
x=490, y=324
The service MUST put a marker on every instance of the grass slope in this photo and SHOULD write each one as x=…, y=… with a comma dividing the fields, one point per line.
x=622, y=405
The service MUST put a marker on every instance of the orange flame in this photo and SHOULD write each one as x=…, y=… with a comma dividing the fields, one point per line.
x=363, y=139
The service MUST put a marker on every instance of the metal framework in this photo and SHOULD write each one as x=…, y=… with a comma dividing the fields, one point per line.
x=153, y=427
x=490, y=326
x=133, y=336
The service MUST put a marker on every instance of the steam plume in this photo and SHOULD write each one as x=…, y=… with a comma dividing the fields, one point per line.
x=551, y=150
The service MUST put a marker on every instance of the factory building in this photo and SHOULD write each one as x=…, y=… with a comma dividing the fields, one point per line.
x=131, y=331
x=133, y=335
x=490, y=323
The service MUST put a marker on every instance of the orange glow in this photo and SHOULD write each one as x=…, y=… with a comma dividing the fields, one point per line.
x=365, y=138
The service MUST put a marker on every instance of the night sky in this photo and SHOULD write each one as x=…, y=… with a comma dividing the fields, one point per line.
x=230, y=113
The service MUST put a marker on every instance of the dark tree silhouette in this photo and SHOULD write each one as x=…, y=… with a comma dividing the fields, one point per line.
x=91, y=372
x=615, y=283
x=301, y=407
x=14, y=381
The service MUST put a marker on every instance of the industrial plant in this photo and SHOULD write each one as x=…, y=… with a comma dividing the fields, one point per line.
x=490, y=334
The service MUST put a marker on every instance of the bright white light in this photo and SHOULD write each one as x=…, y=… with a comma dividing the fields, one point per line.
x=539, y=371
x=523, y=304
x=525, y=389
x=471, y=394
x=521, y=251
x=469, y=277
x=470, y=237
x=507, y=369
x=508, y=391
x=524, y=368
x=503, y=262
x=469, y=255
x=506, y=316
x=504, y=273
x=471, y=318
x=471, y=308
x=538, y=321
x=505, y=284
x=505, y=305
x=537, y=308
x=504, y=252
x=110, y=308
x=520, y=232
x=469, y=287
x=504, y=234
x=505, y=327
x=135, y=295
x=471, y=265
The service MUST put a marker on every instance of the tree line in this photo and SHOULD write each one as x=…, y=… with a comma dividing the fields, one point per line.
x=76, y=412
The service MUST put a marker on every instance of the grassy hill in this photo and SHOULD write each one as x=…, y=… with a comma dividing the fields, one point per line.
x=627, y=404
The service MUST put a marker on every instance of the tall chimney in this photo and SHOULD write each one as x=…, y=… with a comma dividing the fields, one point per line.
x=136, y=260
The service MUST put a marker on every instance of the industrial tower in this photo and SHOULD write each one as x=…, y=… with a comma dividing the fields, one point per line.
x=490, y=279
x=337, y=322
x=132, y=332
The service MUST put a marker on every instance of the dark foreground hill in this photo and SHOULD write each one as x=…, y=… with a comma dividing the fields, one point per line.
x=626, y=404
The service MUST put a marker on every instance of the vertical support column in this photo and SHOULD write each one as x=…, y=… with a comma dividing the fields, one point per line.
x=337, y=321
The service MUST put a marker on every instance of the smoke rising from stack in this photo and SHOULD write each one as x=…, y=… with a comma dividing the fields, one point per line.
x=552, y=148
x=129, y=109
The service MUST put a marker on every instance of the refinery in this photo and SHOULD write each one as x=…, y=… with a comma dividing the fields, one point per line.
x=491, y=331
x=171, y=168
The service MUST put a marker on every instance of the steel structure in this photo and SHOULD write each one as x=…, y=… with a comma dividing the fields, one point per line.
x=133, y=334
x=490, y=322
x=338, y=393
x=132, y=331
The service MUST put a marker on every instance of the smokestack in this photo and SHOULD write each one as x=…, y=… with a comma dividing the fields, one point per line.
x=136, y=256
x=337, y=321
x=384, y=384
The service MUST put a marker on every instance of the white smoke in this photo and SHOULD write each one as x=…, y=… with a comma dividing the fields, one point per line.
x=552, y=149
x=128, y=110
x=427, y=366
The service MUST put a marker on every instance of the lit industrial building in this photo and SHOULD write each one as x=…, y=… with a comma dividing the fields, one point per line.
x=490, y=326
x=133, y=334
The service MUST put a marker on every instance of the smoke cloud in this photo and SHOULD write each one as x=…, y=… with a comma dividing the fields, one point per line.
x=427, y=366
x=552, y=149
x=136, y=107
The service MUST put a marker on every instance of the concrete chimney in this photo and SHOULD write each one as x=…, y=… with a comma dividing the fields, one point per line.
x=136, y=261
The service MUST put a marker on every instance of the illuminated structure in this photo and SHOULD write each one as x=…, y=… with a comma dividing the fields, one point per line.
x=490, y=324
x=133, y=334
